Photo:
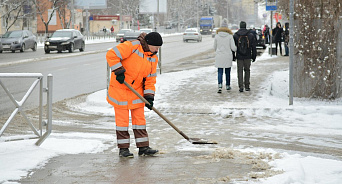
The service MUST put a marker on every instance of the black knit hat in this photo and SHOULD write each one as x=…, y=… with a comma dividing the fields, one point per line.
x=154, y=38
x=243, y=24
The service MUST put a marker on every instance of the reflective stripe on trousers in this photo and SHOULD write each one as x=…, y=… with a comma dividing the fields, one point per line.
x=138, y=126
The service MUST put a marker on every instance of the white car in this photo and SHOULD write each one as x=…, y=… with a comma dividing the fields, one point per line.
x=213, y=33
x=121, y=33
x=192, y=34
x=146, y=30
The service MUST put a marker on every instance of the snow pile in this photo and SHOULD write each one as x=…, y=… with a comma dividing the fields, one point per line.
x=18, y=157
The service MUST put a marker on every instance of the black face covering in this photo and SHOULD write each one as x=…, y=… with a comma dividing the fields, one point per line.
x=154, y=53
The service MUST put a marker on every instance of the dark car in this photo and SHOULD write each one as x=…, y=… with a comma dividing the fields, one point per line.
x=0, y=46
x=65, y=39
x=130, y=35
x=18, y=40
x=260, y=39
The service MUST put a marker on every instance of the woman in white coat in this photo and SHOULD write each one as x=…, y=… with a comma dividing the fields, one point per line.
x=224, y=45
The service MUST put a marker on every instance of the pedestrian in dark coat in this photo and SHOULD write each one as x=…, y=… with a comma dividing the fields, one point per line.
x=286, y=39
x=277, y=33
x=244, y=60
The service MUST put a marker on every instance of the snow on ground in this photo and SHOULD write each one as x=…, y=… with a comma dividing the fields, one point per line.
x=298, y=169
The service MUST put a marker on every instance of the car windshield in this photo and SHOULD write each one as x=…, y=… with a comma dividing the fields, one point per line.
x=123, y=31
x=61, y=34
x=205, y=21
x=131, y=33
x=190, y=30
x=145, y=30
x=12, y=34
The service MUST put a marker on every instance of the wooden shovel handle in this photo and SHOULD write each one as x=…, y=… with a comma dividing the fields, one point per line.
x=155, y=110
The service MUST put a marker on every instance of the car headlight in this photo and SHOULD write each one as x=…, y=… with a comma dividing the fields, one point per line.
x=15, y=42
x=65, y=43
x=47, y=43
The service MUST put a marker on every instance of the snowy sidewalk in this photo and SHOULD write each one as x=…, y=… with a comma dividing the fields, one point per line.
x=259, y=135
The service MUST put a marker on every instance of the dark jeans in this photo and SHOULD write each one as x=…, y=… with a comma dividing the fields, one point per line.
x=220, y=73
x=281, y=51
x=243, y=65
x=286, y=49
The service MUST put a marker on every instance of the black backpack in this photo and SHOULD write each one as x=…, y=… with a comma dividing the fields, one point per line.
x=243, y=45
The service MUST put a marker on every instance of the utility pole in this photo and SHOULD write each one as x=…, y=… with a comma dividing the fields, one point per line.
x=291, y=53
x=227, y=12
x=197, y=13
x=72, y=22
x=157, y=26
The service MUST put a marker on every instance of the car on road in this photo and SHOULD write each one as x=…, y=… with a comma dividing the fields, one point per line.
x=260, y=39
x=18, y=40
x=213, y=33
x=121, y=33
x=130, y=35
x=146, y=30
x=65, y=39
x=192, y=34
x=0, y=46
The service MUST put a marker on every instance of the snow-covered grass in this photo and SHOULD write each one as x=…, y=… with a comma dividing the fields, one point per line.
x=17, y=158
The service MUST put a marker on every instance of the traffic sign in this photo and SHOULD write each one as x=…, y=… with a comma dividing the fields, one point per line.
x=271, y=5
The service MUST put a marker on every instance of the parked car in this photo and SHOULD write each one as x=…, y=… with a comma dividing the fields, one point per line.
x=146, y=30
x=0, y=46
x=130, y=35
x=260, y=39
x=192, y=34
x=65, y=39
x=213, y=33
x=18, y=40
x=121, y=33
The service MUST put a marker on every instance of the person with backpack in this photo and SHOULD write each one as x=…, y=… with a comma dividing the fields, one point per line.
x=246, y=52
x=224, y=45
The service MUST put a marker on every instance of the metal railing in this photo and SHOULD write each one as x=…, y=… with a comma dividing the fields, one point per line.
x=19, y=105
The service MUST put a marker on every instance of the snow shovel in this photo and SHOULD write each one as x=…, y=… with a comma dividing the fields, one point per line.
x=191, y=140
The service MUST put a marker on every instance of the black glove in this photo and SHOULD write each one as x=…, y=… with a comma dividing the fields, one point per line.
x=150, y=100
x=120, y=74
x=120, y=78
x=253, y=60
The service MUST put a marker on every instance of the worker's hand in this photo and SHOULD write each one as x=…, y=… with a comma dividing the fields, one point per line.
x=150, y=100
x=120, y=78
x=120, y=74
x=253, y=60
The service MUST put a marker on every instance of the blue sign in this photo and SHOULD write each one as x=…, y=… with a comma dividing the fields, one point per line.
x=271, y=5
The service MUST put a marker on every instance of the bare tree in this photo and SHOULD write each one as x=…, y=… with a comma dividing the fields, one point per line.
x=13, y=11
x=43, y=6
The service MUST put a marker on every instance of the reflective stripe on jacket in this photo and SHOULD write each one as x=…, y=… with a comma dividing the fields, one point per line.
x=139, y=65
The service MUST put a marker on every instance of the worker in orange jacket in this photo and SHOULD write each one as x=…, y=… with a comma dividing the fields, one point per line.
x=136, y=63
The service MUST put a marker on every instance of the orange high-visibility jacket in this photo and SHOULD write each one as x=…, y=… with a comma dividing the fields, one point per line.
x=139, y=65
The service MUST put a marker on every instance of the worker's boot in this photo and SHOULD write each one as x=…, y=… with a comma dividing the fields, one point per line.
x=124, y=152
x=147, y=151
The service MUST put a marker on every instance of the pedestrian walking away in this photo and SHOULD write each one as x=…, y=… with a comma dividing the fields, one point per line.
x=134, y=62
x=224, y=47
x=277, y=33
x=246, y=52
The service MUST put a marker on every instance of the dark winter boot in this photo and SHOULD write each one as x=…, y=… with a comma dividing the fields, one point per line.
x=228, y=87
x=124, y=152
x=219, y=88
x=147, y=151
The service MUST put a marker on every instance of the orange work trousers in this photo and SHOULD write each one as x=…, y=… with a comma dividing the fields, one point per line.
x=138, y=126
